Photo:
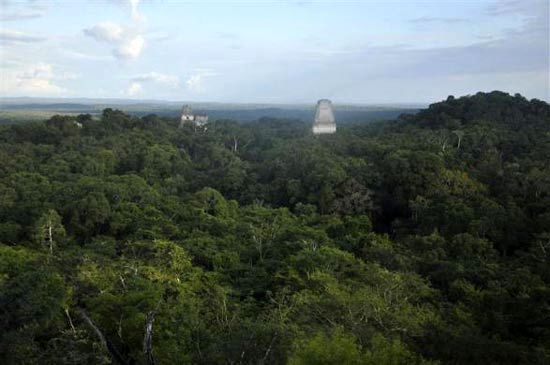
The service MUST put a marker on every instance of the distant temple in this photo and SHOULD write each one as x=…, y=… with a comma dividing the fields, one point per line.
x=187, y=116
x=324, y=122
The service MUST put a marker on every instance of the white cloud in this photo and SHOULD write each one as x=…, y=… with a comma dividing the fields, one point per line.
x=128, y=42
x=40, y=86
x=136, y=16
x=133, y=6
x=106, y=32
x=19, y=10
x=38, y=79
x=68, y=76
x=41, y=70
x=9, y=17
x=158, y=77
x=14, y=36
x=130, y=48
x=195, y=82
x=83, y=56
x=134, y=89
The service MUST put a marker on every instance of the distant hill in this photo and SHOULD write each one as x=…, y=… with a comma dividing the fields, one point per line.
x=496, y=107
x=14, y=110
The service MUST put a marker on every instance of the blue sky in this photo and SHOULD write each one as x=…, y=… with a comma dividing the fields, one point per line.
x=278, y=51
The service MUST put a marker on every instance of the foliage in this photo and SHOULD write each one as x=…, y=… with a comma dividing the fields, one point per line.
x=419, y=240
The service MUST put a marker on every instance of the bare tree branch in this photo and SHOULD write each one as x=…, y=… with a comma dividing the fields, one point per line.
x=115, y=355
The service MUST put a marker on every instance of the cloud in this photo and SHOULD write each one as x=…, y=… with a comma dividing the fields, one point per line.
x=41, y=70
x=9, y=17
x=18, y=10
x=521, y=49
x=134, y=89
x=130, y=48
x=68, y=76
x=37, y=79
x=195, y=82
x=127, y=42
x=136, y=85
x=83, y=56
x=106, y=32
x=156, y=77
x=14, y=36
x=133, y=6
x=136, y=16
x=514, y=60
x=40, y=86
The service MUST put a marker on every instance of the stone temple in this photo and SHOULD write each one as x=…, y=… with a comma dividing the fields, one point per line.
x=324, y=122
x=187, y=116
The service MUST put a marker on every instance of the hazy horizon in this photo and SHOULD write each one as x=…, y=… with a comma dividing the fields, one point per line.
x=274, y=52
x=9, y=100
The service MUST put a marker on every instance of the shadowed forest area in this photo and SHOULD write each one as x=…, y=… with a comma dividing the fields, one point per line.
x=421, y=240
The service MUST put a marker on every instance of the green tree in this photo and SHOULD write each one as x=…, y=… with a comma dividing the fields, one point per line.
x=49, y=230
x=339, y=348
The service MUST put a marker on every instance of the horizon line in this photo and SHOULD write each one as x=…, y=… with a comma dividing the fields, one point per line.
x=191, y=102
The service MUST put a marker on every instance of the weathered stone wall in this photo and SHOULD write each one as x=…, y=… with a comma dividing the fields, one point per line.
x=188, y=116
x=324, y=113
x=324, y=121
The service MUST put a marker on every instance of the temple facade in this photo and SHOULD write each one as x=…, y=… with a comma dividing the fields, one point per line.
x=324, y=122
x=187, y=116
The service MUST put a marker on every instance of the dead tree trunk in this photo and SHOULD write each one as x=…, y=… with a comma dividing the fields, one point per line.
x=50, y=237
x=459, y=134
x=70, y=321
x=115, y=355
x=49, y=234
x=148, y=338
x=268, y=351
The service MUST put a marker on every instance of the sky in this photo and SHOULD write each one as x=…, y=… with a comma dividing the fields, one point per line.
x=274, y=51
